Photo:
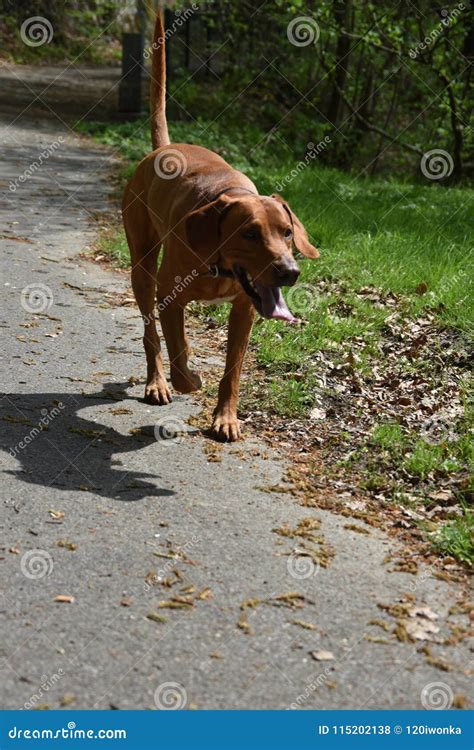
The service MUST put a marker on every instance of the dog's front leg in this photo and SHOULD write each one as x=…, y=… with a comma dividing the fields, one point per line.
x=226, y=425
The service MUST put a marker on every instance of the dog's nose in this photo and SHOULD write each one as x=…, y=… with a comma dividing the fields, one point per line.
x=286, y=273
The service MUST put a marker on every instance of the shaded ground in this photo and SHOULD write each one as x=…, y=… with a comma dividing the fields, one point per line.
x=62, y=92
x=174, y=560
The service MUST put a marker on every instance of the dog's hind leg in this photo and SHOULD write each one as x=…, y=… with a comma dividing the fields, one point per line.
x=171, y=309
x=144, y=289
x=144, y=247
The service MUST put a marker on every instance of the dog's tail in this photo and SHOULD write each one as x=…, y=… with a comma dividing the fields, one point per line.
x=159, y=126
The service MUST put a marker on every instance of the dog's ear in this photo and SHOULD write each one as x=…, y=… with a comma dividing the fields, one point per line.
x=300, y=236
x=203, y=226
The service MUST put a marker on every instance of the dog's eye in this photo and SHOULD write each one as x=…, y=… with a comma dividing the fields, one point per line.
x=288, y=234
x=251, y=234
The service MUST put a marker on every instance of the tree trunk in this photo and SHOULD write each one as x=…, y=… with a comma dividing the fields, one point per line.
x=342, y=10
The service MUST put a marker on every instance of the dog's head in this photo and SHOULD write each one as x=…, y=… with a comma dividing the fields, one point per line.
x=253, y=236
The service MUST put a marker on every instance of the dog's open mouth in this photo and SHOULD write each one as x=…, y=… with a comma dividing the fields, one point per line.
x=268, y=300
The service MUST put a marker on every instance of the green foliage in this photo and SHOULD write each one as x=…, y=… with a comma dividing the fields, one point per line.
x=387, y=82
x=456, y=538
x=86, y=32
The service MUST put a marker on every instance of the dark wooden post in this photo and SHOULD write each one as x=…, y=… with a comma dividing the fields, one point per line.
x=130, y=90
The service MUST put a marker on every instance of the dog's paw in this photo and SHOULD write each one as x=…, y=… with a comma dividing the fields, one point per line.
x=185, y=382
x=158, y=393
x=226, y=428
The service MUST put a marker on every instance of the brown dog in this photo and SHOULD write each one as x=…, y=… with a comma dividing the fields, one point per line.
x=222, y=242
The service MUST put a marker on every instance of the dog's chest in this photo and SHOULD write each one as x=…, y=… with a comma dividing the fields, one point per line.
x=217, y=300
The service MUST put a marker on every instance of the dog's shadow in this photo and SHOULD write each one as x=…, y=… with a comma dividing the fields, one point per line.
x=59, y=449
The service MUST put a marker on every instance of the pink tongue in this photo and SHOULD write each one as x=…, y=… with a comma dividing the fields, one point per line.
x=273, y=303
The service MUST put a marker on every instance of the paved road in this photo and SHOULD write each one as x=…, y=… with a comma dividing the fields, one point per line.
x=154, y=546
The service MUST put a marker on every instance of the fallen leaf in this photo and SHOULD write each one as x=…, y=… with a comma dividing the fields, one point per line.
x=422, y=288
x=358, y=529
x=67, y=699
x=205, y=594
x=250, y=603
x=302, y=624
x=376, y=639
x=291, y=599
x=155, y=617
x=423, y=612
x=322, y=655
x=243, y=624
x=380, y=624
x=67, y=544
x=56, y=515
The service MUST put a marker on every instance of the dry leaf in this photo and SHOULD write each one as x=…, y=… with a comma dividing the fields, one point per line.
x=302, y=624
x=322, y=655
x=67, y=699
x=250, y=603
x=155, y=617
x=56, y=515
x=205, y=594
x=243, y=624
x=460, y=701
x=67, y=544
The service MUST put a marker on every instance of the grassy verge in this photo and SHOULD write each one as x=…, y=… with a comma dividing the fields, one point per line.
x=376, y=375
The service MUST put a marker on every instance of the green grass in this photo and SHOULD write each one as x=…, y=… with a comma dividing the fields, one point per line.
x=412, y=242
x=457, y=537
x=420, y=457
